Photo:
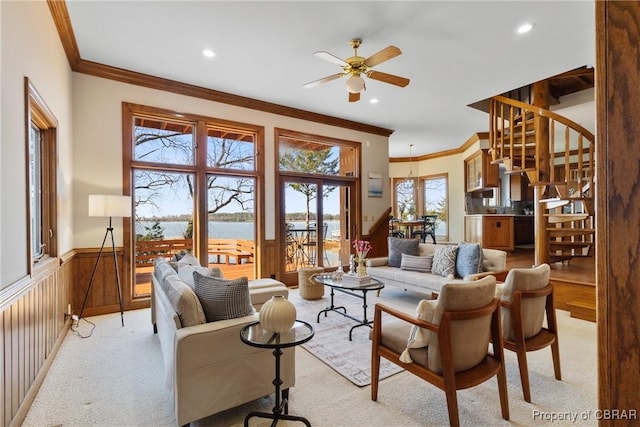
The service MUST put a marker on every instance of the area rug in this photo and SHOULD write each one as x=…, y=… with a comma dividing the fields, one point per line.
x=351, y=359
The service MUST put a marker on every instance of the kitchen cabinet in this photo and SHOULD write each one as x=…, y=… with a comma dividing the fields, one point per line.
x=480, y=173
x=491, y=231
x=523, y=230
x=520, y=189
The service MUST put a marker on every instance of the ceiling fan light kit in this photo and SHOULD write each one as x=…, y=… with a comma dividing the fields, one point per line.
x=355, y=84
x=356, y=66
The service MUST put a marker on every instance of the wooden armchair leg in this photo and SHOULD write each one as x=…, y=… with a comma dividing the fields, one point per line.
x=452, y=406
x=524, y=374
x=555, y=353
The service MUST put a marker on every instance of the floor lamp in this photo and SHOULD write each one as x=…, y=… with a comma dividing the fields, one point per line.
x=108, y=206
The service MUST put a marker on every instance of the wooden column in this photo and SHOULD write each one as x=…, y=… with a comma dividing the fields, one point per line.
x=618, y=206
x=541, y=99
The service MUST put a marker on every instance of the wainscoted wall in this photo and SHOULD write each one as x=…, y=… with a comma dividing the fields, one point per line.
x=103, y=297
x=32, y=327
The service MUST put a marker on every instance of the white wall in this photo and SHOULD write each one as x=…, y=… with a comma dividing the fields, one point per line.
x=453, y=166
x=97, y=154
x=30, y=47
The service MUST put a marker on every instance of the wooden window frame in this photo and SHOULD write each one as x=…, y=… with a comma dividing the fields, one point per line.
x=38, y=113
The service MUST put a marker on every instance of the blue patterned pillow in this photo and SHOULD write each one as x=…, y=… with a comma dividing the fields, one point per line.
x=223, y=299
x=469, y=260
x=398, y=246
x=444, y=261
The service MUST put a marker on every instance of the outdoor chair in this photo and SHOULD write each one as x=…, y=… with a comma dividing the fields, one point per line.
x=428, y=228
x=526, y=296
x=447, y=342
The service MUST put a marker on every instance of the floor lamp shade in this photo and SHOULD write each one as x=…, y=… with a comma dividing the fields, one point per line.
x=107, y=205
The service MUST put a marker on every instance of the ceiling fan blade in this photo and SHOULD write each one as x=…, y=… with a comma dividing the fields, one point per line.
x=388, y=78
x=354, y=97
x=322, y=80
x=384, y=55
x=331, y=58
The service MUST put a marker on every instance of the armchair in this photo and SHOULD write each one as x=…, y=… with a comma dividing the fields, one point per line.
x=526, y=296
x=455, y=333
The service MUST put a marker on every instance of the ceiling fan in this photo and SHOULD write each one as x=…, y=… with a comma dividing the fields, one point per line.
x=356, y=66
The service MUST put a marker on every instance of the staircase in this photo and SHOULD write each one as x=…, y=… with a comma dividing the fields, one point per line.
x=557, y=155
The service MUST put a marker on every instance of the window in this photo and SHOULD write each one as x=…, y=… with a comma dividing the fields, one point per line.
x=435, y=201
x=426, y=195
x=194, y=181
x=318, y=181
x=41, y=132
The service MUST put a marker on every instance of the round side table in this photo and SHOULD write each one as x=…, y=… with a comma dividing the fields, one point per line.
x=256, y=336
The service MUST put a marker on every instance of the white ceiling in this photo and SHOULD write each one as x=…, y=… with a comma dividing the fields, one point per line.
x=455, y=53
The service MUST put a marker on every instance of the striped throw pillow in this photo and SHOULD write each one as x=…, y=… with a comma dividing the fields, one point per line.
x=416, y=263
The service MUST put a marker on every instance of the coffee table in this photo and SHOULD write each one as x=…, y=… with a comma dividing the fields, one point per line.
x=353, y=289
x=256, y=336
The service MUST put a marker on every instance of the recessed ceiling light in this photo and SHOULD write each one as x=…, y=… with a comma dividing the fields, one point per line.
x=373, y=100
x=525, y=28
x=208, y=53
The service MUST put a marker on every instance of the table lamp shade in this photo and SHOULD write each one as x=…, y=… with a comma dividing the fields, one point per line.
x=109, y=205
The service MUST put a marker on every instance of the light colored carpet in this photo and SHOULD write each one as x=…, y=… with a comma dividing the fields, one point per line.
x=330, y=344
x=114, y=379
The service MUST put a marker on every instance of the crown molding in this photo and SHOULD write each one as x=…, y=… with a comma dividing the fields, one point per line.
x=60, y=15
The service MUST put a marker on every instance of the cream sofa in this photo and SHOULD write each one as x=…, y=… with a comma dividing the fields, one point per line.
x=493, y=262
x=207, y=368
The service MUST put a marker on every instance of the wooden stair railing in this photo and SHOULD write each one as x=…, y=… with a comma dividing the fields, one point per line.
x=378, y=234
x=557, y=154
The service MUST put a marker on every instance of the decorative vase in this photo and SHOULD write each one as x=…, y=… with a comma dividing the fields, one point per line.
x=277, y=315
x=362, y=268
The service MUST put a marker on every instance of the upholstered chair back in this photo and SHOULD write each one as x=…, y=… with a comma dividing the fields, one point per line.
x=533, y=309
x=469, y=338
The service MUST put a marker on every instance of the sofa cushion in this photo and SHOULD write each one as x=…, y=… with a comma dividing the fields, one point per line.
x=469, y=259
x=416, y=263
x=188, y=259
x=223, y=299
x=398, y=246
x=416, y=279
x=184, y=301
x=185, y=273
x=444, y=261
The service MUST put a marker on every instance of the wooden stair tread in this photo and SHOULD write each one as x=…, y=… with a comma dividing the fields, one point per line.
x=585, y=310
x=560, y=218
x=558, y=232
x=570, y=244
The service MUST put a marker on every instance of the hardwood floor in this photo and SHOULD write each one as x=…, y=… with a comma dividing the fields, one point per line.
x=574, y=281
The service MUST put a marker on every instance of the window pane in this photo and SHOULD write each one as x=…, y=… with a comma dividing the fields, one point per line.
x=35, y=191
x=161, y=141
x=231, y=224
x=163, y=220
x=229, y=149
x=435, y=202
x=315, y=158
x=405, y=206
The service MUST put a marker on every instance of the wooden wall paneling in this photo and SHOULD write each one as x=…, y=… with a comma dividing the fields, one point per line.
x=103, y=297
x=618, y=206
x=269, y=260
x=32, y=328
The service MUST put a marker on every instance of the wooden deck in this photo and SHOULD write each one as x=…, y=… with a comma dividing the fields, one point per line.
x=229, y=271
